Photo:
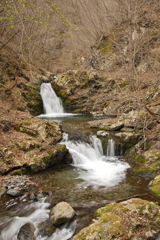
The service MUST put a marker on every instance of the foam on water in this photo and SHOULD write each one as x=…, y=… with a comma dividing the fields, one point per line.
x=95, y=168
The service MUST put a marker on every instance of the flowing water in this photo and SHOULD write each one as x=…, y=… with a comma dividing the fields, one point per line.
x=96, y=174
x=97, y=170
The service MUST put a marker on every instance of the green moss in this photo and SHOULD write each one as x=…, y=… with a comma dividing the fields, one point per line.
x=61, y=147
x=63, y=93
x=153, y=167
x=77, y=111
x=21, y=171
x=106, y=45
x=47, y=160
x=33, y=99
x=67, y=102
x=110, y=207
x=140, y=158
x=156, y=189
x=28, y=131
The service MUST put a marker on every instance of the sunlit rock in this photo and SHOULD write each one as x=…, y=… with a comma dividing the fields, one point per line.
x=131, y=219
x=61, y=213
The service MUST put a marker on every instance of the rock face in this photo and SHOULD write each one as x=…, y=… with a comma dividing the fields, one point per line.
x=76, y=88
x=34, y=147
x=132, y=219
x=61, y=213
x=148, y=160
x=26, y=232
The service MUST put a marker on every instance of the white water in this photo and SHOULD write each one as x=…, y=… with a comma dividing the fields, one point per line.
x=39, y=213
x=96, y=169
x=52, y=105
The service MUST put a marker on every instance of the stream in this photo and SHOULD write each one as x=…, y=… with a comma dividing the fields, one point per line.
x=98, y=173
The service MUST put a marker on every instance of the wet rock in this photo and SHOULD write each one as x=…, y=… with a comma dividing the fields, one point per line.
x=52, y=157
x=102, y=133
x=33, y=197
x=128, y=139
x=46, y=229
x=26, y=232
x=131, y=219
x=154, y=185
x=61, y=213
x=14, y=192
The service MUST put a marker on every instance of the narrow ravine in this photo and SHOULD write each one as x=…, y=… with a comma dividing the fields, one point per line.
x=94, y=175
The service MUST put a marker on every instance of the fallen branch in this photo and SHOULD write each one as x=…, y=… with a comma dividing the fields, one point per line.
x=104, y=203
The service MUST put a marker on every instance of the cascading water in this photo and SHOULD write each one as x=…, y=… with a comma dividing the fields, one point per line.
x=39, y=214
x=111, y=150
x=52, y=105
x=96, y=169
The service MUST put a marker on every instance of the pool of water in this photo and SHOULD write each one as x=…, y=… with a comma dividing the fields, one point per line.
x=66, y=185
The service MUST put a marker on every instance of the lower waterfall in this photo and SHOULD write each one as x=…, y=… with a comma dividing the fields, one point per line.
x=96, y=169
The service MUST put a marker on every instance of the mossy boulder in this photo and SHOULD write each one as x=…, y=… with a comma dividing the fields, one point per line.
x=30, y=145
x=131, y=219
x=144, y=161
x=73, y=86
x=154, y=185
x=57, y=155
x=128, y=139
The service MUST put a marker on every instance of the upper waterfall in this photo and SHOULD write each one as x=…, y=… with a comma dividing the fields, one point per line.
x=51, y=103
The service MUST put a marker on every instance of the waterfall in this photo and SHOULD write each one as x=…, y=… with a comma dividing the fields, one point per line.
x=51, y=103
x=111, y=150
x=94, y=167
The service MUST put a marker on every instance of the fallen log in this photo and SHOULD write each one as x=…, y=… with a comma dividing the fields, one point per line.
x=104, y=203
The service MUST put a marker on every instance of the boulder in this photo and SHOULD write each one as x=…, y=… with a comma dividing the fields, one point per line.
x=128, y=139
x=26, y=232
x=46, y=229
x=132, y=219
x=154, y=185
x=107, y=124
x=14, y=192
x=34, y=147
x=61, y=213
x=102, y=133
x=137, y=119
